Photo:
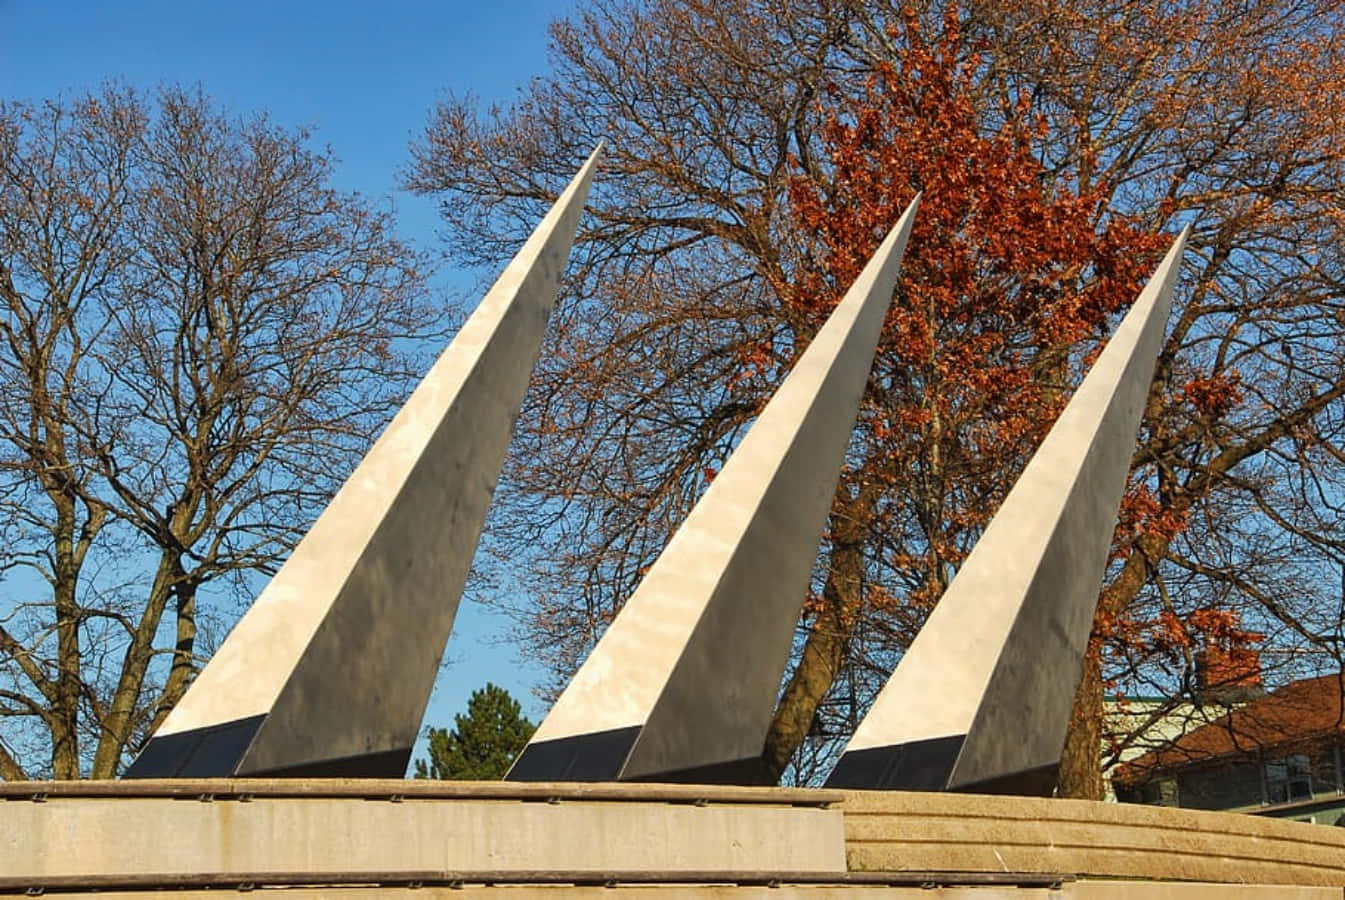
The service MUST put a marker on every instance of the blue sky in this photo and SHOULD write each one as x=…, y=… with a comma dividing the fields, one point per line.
x=364, y=76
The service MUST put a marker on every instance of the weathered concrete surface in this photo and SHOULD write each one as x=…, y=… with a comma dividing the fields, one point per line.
x=239, y=831
x=904, y=831
x=1078, y=890
x=683, y=683
x=982, y=697
x=332, y=666
x=682, y=840
x=322, y=836
x=1179, y=890
x=419, y=789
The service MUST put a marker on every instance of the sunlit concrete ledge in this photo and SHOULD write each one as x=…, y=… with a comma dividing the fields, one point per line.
x=384, y=838
x=893, y=831
x=205, y=832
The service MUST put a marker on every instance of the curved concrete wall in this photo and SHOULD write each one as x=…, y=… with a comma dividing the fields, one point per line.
x=900, y=831
x=383, y=836
x=227, y=832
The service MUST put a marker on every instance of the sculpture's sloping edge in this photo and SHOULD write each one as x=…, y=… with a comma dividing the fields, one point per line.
x=982, y=698
x=682, y=685
x=330, y=670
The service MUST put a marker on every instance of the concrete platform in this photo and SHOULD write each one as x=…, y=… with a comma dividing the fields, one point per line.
x=1079, y=890
x=383, y=839
x=887, y=831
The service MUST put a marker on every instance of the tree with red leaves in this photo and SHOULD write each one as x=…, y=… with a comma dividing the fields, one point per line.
x=1010, y=279
x=758, y=151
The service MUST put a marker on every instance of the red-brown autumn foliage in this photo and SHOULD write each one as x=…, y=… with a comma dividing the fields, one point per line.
x=1008, y=275
x=693, y=288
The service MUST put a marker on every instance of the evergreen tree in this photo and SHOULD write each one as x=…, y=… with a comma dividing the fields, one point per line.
x=483, y=743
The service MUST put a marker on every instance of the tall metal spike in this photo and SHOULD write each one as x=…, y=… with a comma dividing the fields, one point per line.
x=330, y=670
x=682, y=685
x=982, y=698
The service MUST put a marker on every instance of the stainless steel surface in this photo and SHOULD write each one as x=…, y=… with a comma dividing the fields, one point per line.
x=694, y=659
x=999, y=659
x=340, y=651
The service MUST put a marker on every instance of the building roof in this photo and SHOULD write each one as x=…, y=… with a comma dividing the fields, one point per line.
x=1296, y=713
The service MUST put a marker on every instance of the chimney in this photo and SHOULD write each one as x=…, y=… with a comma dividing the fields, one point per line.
x=1228, y=672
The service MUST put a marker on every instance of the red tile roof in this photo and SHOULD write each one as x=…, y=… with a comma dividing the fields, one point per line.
x=1296, y=713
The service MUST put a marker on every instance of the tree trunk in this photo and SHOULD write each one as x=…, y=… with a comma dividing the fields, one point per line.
x=10, y=770
x=184, y=654
x=824, y=652
x=817, y=669
x=120, y=718
x=65, y=710
x=1080, y=774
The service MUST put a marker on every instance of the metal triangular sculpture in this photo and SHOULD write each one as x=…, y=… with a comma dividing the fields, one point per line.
x=981, y=700
x=329, y=672
x=682, y=685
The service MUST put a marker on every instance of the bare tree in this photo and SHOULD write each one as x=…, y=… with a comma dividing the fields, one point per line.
x=677, y=324
x=199, y=335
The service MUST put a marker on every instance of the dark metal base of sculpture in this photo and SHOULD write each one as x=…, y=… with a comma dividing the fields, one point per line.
x=917, y=766
x=206, y=752
x=597, y=756
x=198, y=753
x=1038, y=782
x=748, y=772
x=928, y=766
x=601, y=755
x=379, y=764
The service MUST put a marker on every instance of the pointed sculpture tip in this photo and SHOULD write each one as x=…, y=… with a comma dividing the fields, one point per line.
x=586, y=171
x=913, y=206
x=906, y=219
x=596, y=153
x=1166, y=272
x=578, y=185
x=1179, y=244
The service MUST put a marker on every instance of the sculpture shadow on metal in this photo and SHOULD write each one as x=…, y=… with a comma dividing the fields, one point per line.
x=682, y=685
x=330, y=670
x=981, y=700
